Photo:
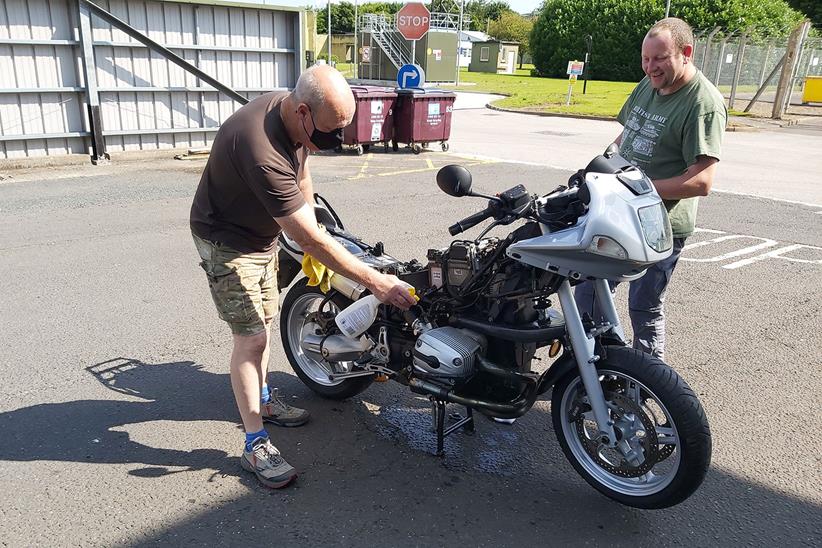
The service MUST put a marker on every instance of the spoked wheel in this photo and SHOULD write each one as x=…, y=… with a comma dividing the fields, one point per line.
x=295, y=322
x=663, y=446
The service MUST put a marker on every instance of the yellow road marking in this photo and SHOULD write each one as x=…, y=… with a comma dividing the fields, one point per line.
x=363, y=167
x=430, y=163
x=432, y=168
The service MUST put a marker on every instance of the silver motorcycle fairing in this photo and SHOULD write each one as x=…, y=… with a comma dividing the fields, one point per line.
x=613, y=213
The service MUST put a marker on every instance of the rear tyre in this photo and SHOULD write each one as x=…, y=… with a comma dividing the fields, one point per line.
x=665, y=437
x=298, y=303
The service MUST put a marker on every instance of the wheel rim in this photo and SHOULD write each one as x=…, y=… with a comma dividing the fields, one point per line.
x=297, y=323
x=669, y=445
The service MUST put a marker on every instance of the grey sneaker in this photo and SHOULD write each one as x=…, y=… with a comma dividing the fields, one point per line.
x=280, y=413
x=265, y=462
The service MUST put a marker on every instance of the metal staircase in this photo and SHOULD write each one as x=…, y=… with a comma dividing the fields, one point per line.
x=385, y=34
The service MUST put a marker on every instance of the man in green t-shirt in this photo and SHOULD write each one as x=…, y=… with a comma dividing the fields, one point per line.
x=672, y=129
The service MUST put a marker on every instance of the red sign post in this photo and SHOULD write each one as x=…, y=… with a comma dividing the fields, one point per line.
x=413, y=21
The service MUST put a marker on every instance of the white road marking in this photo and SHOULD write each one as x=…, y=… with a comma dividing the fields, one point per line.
x=766, y=242
x=777, y=254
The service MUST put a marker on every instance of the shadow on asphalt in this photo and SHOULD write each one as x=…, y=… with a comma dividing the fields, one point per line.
x=366, y=488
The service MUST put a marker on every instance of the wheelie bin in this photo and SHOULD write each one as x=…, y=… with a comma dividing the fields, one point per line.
x=373, y=120
x=423, y=116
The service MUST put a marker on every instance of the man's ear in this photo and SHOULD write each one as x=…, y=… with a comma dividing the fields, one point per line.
x=688, y=52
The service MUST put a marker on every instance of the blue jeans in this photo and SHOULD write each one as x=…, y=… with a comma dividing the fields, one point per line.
x=646, y=303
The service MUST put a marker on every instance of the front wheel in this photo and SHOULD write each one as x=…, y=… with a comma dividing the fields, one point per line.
x=663, y=447
x=299, y=304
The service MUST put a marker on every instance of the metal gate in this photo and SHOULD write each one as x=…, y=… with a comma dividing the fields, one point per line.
x=145, y=101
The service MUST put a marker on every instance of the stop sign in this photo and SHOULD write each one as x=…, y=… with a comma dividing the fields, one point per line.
x=413, y=21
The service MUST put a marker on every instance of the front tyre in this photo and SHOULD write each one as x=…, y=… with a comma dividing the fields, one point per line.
x=300, y=301
x=664, y=441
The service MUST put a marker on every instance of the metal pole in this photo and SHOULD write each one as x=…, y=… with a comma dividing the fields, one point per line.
x=765, y=63
x=459, y=42
x=154, y=46
x=667, y=8
x=589, y=40
x=708, y=49
x=356, y=72
x=764, y=84
x=740, y=53
x=721, y=59
x=329, y=32
x=95, y=120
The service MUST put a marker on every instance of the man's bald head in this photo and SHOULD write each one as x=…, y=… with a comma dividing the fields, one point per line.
x=327, y=94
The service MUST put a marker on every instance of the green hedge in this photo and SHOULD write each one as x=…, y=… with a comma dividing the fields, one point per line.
x=618, y=27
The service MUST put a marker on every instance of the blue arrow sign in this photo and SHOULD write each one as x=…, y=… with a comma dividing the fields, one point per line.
x=410, y=76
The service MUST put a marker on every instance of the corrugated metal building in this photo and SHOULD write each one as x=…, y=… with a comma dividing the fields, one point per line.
x=146, y=102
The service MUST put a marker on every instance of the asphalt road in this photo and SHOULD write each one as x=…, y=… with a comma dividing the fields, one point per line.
x=118, y=427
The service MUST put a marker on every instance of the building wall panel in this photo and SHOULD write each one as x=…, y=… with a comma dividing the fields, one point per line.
x=145, y=100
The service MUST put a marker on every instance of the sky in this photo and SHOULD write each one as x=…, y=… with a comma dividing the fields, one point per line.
x=521, y=6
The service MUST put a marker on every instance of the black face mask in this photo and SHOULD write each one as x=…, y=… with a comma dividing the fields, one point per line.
x=324, y=140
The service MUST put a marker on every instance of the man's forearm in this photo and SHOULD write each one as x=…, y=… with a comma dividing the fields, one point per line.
x=696, y=181
x=333, y=255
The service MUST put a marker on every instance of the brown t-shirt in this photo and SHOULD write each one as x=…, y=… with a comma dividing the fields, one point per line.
x=251, y=177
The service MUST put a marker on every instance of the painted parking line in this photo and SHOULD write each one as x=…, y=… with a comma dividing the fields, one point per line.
x=751, y=245
x=373, y=166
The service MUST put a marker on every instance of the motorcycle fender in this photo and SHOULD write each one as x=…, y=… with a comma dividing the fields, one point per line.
x=287, y=269
x=564, y=365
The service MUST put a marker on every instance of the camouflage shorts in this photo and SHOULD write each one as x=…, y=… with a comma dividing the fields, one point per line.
x=243, y=286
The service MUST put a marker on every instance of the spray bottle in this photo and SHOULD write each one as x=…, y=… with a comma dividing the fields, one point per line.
x=358, y=316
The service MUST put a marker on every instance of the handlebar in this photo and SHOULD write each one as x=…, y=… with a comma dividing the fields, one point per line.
x=468, y=222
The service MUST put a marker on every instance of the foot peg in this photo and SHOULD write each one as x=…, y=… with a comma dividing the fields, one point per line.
x=438, y=416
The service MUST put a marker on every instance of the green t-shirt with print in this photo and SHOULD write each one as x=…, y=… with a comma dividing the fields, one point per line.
x=664, y=134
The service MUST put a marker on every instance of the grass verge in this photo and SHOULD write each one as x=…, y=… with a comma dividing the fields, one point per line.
x=549, y=94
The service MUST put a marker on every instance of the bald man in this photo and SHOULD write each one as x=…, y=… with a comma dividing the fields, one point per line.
x=256, y=183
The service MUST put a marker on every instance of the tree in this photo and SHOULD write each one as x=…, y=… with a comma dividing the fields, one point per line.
x=812, y=9
x=514, y=27
x=342, y=19
x=618, y=27
x=482, y=12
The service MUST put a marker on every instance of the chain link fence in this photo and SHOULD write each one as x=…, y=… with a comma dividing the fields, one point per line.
x=740, y=64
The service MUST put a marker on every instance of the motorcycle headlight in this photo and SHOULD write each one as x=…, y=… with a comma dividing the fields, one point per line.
x=656, y=227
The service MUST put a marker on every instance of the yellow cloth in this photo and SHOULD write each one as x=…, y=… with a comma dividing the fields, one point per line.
x=318, y=274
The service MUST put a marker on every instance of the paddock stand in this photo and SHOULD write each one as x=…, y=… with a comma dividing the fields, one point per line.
x=438, y=415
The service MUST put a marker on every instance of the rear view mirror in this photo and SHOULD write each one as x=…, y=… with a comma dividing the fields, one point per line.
x=454, y=180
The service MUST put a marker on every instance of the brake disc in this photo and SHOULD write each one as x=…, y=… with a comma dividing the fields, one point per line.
x=621, y=409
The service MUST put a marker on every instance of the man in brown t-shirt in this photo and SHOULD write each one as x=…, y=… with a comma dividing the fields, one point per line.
x=255, y=184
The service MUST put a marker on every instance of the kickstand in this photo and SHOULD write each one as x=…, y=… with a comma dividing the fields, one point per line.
x=467, y=422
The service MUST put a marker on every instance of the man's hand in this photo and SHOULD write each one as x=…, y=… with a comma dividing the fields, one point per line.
x=302, y=227
x=390, y=290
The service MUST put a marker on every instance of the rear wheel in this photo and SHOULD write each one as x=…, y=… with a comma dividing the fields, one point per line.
x=663, y=447
x=299, y=303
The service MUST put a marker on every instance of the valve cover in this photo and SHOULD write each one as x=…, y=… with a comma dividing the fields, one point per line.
x=447, y=352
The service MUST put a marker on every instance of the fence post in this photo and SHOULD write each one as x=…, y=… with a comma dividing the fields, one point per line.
x=782, y=98
x=89, y=68
x=765, y=63
x=740, y=55
x=721, y=59
x=797, y=71
x=708, y=49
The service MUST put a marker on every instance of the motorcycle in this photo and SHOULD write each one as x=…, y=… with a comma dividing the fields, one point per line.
x=626, y=421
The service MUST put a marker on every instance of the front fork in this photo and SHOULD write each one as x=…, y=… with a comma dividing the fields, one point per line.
x=583, y=346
